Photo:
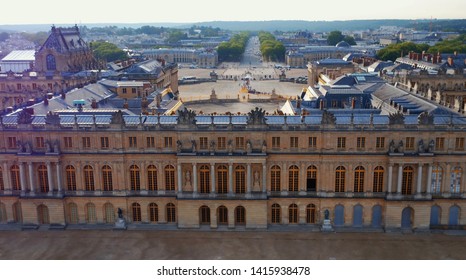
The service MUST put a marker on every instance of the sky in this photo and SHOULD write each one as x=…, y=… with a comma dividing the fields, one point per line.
x=191, y=11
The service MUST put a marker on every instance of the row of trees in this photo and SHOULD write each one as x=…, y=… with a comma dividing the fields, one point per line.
x=107, y=51
x=271, y=49
x=336, y=36
x=233, y=49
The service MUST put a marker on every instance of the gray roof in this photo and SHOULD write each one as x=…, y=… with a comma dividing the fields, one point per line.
x=22, y=55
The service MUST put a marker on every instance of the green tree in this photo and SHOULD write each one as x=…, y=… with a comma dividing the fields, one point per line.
x=107, y=51
x=37, y=38
x=393, y=51
x=175, y=36
x=334, y=38
x=271, y=49
x=450, y=46
x=233, y=49
x=350, y=40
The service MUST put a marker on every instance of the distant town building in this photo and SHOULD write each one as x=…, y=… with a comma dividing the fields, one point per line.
x=200, y=57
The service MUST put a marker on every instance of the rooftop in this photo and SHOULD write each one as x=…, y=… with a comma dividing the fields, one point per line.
x=22, y=55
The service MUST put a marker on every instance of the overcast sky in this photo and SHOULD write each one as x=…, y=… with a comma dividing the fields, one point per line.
x=182, y=11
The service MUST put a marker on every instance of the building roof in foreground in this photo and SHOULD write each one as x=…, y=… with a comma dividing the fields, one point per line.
x=20, y=55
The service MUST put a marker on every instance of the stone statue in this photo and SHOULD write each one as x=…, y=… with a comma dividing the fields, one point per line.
x=326, y=214
x=264, y=147
x=420, y=146
x=431, y=146
x=256, y=179
x=401, y=148
x=188, y=178
x=19, y=146
x=179, y=146
x=212, y=146
x=248, y=147
x=230, y=146
x=391, y=147
x=28, y=148
x=120, y=213
x=56, y=147
x=48, y=147
x=193, y=146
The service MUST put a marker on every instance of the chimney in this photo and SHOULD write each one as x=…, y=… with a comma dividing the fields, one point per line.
x=423, y=55
x=46, y=101
x=94, y=104
x=450, y=61
x=321, y=104
x=439, y=57
x=455, y=53
x=63, y=95
x=298, y=103
x=411, y=55
x=353, y=103
x=434, y=59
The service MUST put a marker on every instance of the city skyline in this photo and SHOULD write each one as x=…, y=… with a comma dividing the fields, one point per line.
x=88, y=12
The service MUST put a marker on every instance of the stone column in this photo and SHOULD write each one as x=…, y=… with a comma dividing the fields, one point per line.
x=248, y=178
x=212, y=177
x=284, y=179
x=400, y=176
x=59, y=180
x=194, y=178
x=429, y=179
x=6, y=177
x=419, y=179
x=390, y=178
x=31, y=176
x=302, y=177
x=22, y=177
x=445, y=188
x=264, y=178
x=49, y=176
x=143, y=177
x=180, y=178
x=230, y=178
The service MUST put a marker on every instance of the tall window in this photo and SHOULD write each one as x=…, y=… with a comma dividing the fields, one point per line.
x=203, y=143
x=276, y=214
x=43, y=214
x=436, y=179
x=50, y=62
x=312, y=142
x=275, y=176
x=68, y=142
x=15, y=178
x=91, y=217
x=40, y=143
x=171, y=213
x=136, y=210
x=222, y=179
x=293, y=214
x=17, y=213
x=340, y=173
x=294, y=142
x=275, y=142
x=204, y=179
x=3, y=217
x=239, y=143
x=89, y=178
x=43, y=178
x=150, y=143
x=153, y=212
x=70, y=178
x=455, y=179
x=379, y=143
x=12, y=143
x=104, y=143
x=223, y=215
x=107, y=178
x=204, y=213
x=293, y=179
x=240, y=215
x=409, y=143
x=407, y=180
x=221, y=143
x=2, y=184
x=152, y=177
x=169, y=178
x=459, y=144
x=135, y=177
x=361, y=142
x=311, y=178
x=240, y=179
x=311, y=214
x=109, y=213
x=72, y=213
x=439, y=143
x=341, y=142
x=86, y=142
x=359, y=179
x=377, y=184
x=168, y=142
x=133, y=142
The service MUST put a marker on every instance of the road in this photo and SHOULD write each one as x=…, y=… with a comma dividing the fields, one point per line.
x=252, y=55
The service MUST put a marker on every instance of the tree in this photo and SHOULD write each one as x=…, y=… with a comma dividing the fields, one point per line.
x=175, y=36
x=334, y=38
x=107, y=51
x=350, y=40
x=393, y=51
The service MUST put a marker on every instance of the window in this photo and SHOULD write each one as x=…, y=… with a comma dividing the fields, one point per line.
x=124, y=90
x=459, y=144
x=275, y=142
x=222, y=215
x=153, y=212
x=12, y=143
x=17, y=213
x=18, y=86
x=152, y=178
x=311, y=179
x=68, y=142
x=133, y=90
x=88, y=178
x=150, y=142
x=50, y=62
x=15, y=178
x=293, y=179
x=86, y=142
x=107, y=178
x=239, y=142
x=293, y=142
x=204, y=179
x=91, y=217
x=361, y=142
x=436, y=179
x=2, y=184
x=70, y=172
x=72, y=213
x=43, y=215
x=311, y=214
x=409, y=143
x=359, y=179
x=168, y=141
x=377, y=184
x=136, y=210
x=293, y=214
x=135, y=178
x=380, y=143
x=169, y=178
x=439, y=143
x=240, y=179
x=455, y=180
x=203, y=143
x=407, y=181
x=104, y=143
x=109, y=213
x=275, y=178
x=340, y=173
x=341, y=142
x=43, y=178
x=171, y=213
x=240, y=215
x=312, y=142
x=40, y=144
x=133, y=142
x=276, y=214
x=221, y=143
x=204, y=213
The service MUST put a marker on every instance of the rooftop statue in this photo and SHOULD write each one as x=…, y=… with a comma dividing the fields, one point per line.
x=186, y=117
x=256, y=116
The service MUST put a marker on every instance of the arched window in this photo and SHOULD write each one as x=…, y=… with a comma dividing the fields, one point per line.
x=407, y=181
x=50, y=62
x=107, y=181
x=204, y=179
x=293, y=178
x=70, y=178
x=222, y=215
x=454, y=216
x=15, y=178
x=152, y=178
x=134, y=178
x=407, y=218
x=136, y=211
x=2, y=184
x=43, y=215
x=376, y=216
x=293, y=214
x=359, y=179
x=171, y=213
x=17, y=213
x=169, y=178
x=109, y=213
x=240, y=179
x=153, y=212
x=43, y=178
x=377, y=185
x=435, y=214
x=311, y=214
x=91, y=217
x=436, y=179
x=72, y=213
x=311, y=178
x=240, y=215
x=455, y=179
x=89, y=178
x=275, y=178
x=204, y=213
x=222, y=179
x=357, y=215
x=339, y=215
x=276, y=214
x=340, y=173
x=3, y=217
